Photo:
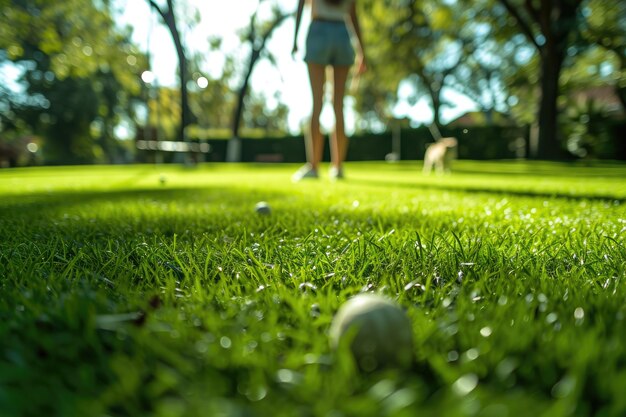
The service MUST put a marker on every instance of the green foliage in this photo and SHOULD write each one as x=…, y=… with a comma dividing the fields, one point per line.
x=429, y=46
x=135, y=291
x=588, y=128
x=498, y=53
x=254, y=37
x=606, y=27
x=173, y=19
x=215, y=105
x=427, y=32
x=164, y=111
x=80, y=74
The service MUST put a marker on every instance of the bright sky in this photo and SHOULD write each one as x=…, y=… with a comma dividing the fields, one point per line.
x=289, y=78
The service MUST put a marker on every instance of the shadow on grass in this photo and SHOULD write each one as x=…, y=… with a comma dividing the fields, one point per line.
x=548, y=169
x=591, y=169
x=131, y=213
x=484, y=190
x=48, y=202
x=44, y=202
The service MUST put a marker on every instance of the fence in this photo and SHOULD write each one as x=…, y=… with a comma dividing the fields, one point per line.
x=474, y=143
x=477, y=143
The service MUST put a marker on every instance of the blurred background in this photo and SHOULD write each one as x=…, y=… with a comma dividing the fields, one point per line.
x=125, y=81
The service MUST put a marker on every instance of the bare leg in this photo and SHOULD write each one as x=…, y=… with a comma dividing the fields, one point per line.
x=339, y=141
x=315, y=140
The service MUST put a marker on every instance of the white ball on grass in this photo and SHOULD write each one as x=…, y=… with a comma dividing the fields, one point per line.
x=262, y=208
x=378, y=330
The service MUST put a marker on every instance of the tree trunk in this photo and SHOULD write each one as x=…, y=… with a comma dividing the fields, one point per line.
x=169, y=19
x=242, y=94
x=186, y=118
x=549, y=136
x=436, y=111
x=621, y=90
x=185, y=111
x=435, y=99
x=254, y=57
x=557, y=20
x=621, y=94
x=233, y=150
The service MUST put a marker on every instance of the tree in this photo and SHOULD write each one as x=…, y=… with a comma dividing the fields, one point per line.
x=417, y=45
x=164, y=111
x=168, y=15
x=488, y=71
x=605, y=25
x=79, y=75
x=256, y=36
x=549, y=25
x=268, y=120
x=217, y=98
x=589, y=120
x=213, y=99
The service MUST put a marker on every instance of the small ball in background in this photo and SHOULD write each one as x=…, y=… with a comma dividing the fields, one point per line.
x=378, y=330
x=262, y=208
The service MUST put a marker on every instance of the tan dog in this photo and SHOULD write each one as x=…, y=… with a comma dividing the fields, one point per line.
x=439, y=155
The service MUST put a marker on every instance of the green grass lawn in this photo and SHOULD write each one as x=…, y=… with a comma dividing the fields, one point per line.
x=158, y=291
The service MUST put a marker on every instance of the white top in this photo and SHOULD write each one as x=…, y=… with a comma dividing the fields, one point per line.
x=321, y=9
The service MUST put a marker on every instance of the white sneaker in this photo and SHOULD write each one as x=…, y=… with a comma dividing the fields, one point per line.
x=335, y=173
x=305, y=172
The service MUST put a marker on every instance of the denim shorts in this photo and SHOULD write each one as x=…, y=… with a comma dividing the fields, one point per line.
x=328, y=43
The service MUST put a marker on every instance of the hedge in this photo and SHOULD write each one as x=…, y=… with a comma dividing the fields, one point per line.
x=477, y=143
x=474, y=143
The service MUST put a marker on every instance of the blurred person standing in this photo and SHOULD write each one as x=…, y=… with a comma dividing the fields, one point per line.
x=329, y=43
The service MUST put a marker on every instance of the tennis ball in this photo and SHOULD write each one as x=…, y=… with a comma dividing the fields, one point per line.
x=378, y=331
x=262, y=208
